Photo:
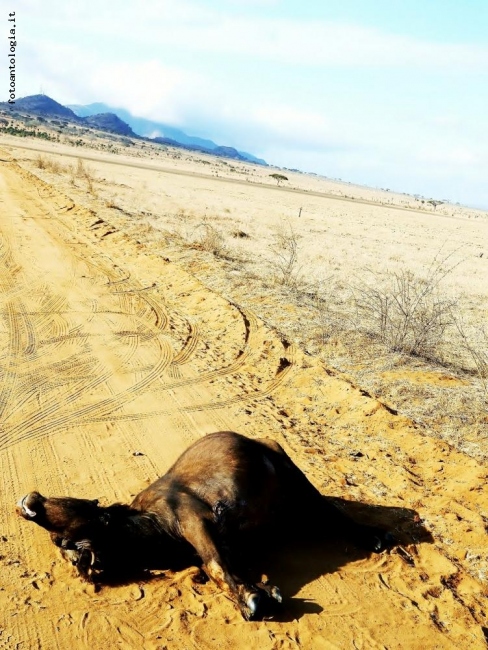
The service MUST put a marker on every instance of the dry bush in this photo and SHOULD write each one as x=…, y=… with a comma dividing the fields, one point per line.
x=285, y=250
x=40, y=161
x=406, y=311
x=211, y=239
x=474, y=342
x=83, y=171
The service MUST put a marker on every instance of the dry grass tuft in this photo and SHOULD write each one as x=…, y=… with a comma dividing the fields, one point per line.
x=211, y=239
x=285, y=255
x=48, y=164
x=82, y=171
x=40, y=161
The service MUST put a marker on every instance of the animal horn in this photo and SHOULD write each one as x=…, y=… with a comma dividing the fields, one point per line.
x=27, y=510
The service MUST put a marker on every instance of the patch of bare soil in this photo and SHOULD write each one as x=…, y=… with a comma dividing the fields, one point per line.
x=113, y=360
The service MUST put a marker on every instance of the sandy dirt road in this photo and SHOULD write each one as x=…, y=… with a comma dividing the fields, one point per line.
x=112, y=361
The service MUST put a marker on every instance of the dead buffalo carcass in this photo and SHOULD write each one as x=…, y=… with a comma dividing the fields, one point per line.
x=223, y=488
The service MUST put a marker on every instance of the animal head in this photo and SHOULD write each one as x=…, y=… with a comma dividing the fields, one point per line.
x=75, y=525
x=66, y=517
x=87, y=534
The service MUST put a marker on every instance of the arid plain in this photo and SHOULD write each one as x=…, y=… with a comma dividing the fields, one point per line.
x=151, y=296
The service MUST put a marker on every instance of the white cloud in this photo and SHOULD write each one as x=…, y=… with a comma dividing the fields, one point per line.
x=326, y=44
x=148, y=89
x=462, y=156
x=196, y=27
x=72, y=75
x=296, y=127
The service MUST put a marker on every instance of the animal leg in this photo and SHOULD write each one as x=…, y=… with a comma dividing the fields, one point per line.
x=369, y=538
x=255, y=601
x=319, y=514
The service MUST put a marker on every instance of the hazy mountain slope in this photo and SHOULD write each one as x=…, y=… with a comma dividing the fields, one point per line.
x=152, y=129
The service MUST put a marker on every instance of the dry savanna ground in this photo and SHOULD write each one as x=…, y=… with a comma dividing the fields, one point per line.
x=151, y=296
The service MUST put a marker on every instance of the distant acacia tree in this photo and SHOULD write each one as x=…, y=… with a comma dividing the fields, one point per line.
x=278, y=177
x=435, y=203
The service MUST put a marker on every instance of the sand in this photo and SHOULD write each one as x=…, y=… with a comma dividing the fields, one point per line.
x=114, y=359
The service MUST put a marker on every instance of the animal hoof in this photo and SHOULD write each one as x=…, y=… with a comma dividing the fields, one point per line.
x=271, y=590
x=263, y=603
x=253, y=604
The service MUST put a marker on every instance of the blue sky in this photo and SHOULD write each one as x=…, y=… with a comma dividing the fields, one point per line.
x=386, y=93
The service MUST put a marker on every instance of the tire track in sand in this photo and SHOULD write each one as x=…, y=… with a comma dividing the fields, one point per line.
x=70, y=392
x=99, y=410
x=9, y=376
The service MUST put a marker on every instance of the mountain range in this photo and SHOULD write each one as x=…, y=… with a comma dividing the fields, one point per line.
x=118, y=120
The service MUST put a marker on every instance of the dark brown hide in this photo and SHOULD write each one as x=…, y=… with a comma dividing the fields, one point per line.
x=223, y=487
